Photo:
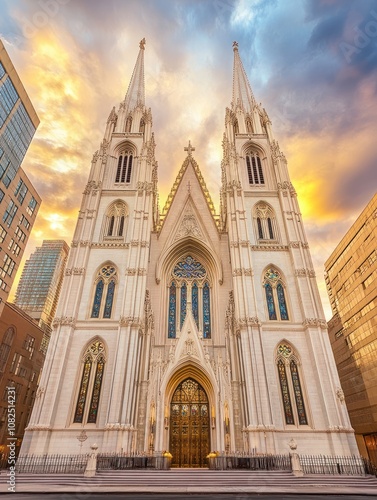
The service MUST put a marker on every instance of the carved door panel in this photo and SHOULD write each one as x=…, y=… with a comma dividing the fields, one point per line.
x=189, y=425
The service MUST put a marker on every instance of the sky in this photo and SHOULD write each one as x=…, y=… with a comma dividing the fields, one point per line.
x=311, y=63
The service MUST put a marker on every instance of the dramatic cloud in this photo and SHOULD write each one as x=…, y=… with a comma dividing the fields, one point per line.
x=312, y=64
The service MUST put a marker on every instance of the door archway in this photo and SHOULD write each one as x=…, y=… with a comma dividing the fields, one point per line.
x=189, y=425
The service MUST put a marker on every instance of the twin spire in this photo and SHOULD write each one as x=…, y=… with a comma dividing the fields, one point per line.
x=242, y=93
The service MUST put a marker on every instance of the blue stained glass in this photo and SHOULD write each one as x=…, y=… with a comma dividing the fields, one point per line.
x=109, y=299
x=195, y=308
x=97, y=299
x=206, y=312
x=298, y=394
x=270, y=301
x=282, y=303
x=172, y=311
x=183, y=303
x=189, y=268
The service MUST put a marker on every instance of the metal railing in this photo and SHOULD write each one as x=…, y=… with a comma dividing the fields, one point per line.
x=121, y=461
x=251, y=462
x=322, y=464
x=52, y=464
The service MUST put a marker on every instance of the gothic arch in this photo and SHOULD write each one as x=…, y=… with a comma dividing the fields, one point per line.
x=104, y=288
x=89, y=382
x=291, y=383
x=127, y=144
x=115, y=221
x=276, y=297
x=252, y=146
x=265, y=223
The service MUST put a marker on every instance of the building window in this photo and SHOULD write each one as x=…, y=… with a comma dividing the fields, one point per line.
x=104, y=291
x=275, y=295
x=32, y=206
x=124, y=168
x=5, y=347
x=265, y=224
x=9, y=213
x=254, y=169
x=289, y=381
x=189, y=286
x=92, y=369
x=7, y=267
x=115, y=219
x=21, y=191
x=3, y=234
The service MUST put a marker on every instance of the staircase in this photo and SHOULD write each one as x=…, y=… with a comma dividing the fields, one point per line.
x=204, y=481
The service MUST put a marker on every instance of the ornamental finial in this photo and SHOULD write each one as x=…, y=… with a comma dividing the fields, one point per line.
x=142, y=44
x=235, y=46
x=189, y=149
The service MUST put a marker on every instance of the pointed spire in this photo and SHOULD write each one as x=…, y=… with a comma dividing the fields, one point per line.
x=136, y=90
x=242, y=93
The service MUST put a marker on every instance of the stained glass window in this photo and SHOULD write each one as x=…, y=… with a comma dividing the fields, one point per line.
x=90, y=385
x=270, y=302
x=275, y=293
x=109, y=300
x=189, y=276
x=265, y=222
x=105, y=287
x=298, y=394
x=79, y=413
x=206, y=312
x=93, y=410
x=270, y=231
x=260, y=230
x=195, y=307
x=172, y=311
x=289, y=420
x=183, y=302
x=282, y=304
x=97, y=299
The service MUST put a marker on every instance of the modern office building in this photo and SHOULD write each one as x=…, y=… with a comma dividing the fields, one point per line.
x=351, y=278
x=40, y=284
x=21, y=361
x=19, y=201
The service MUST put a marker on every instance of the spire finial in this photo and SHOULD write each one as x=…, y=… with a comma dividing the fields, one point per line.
x=142, y=44
x=235, y=45
x=242, y=93
x=136, y=92
x=189, y=149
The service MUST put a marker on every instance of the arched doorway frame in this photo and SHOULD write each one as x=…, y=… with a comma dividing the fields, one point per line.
x=190, y=370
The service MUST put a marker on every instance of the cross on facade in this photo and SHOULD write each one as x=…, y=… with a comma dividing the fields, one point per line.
x=189, y=149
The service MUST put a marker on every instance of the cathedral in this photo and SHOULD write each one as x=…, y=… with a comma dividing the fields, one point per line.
x=189, y=330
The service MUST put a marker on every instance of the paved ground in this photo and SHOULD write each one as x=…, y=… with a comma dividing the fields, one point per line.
x=167, y=496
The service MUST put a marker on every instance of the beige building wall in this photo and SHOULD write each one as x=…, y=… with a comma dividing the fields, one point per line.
x=351, y=277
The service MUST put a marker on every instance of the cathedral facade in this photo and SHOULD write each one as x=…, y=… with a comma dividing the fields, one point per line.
x=190, y=330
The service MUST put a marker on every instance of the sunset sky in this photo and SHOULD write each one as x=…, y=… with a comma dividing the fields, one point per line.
x=311, y=63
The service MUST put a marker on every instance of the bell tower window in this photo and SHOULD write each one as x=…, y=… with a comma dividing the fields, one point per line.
x=115, y=221
x=104, y=291
x=254, y=169
x=265, y=225
x=124, y=167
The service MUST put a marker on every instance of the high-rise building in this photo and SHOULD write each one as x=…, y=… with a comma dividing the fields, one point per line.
x=40, y=284
x=190, y=330
x=19, y=201
x=351, y=277
x=21, y=362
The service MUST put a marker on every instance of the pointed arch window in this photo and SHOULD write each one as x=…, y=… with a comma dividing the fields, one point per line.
x=115, y=220
x=290, y=386
x=124, y=167
x=190, y=288
x=128, y=124
x=254, y=168
x=92, y=370
x=275, y=295
x=104, y=292
x=265, y=224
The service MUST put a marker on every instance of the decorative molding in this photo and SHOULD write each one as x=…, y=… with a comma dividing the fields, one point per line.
x=242, y=271
x=301, y=273
x=249, y=321
x=40, y=392
x=120, y=427
x=141, y=243
x=287, y=186
x=133, y=271
x=144, y=186
x=189, y=227
x=64, y=320
x=269, y=248
x=314, y=322
x=38, y=427
x=130, y=321
x=77, y=271
x=298, y=244
x=93, y=186
x=110, y=244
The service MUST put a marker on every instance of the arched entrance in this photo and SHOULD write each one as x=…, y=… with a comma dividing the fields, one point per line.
x=189, y=425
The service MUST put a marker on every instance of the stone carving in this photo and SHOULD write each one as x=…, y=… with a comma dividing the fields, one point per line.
x=134, y=321
x=78, y=271
x=189, y=227
x=270, y=248
x=305, y=272
x=242, y=271
x=65, y=320
x=340, y=394
x=249, y=321
x=315, y=322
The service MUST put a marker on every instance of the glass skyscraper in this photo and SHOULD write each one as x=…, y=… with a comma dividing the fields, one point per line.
x=40, y=284
x=19, y=201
